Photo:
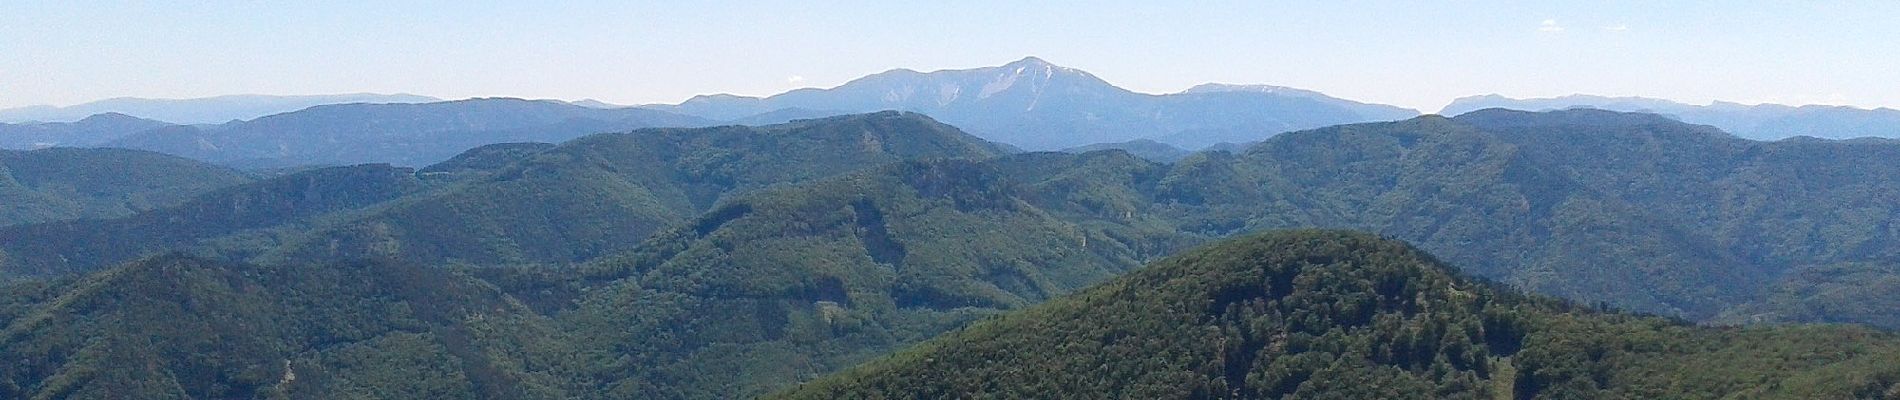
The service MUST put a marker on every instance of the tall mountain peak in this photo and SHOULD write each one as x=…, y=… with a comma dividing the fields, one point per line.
x=1034, y=104
x=1031, y=61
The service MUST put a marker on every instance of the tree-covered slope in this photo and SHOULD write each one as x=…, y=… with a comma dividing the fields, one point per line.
x=1465, y=194
x=605, y=193
x=1783, y=212
x=237, y=221
x=180, y=327
x=768, y=289
x=781, y=253
x=1322, y=314
x=785, y=284
x=67, y=183
x=1636, y=210
x=489, y=158
x=498, y=204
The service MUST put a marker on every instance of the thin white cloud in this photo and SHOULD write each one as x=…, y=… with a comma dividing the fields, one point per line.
x=795, y=79
x=1550, y=26
x=1618, y=28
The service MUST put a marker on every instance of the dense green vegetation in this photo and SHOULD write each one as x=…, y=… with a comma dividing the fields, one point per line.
x=485, y=159
x=236, y=222
x=180, y=327
x=495, y=205
x=1635, y=210
x=1332, y=315
x=63, y=183
x=606, y=193
x=734, y=261
x=879, y=260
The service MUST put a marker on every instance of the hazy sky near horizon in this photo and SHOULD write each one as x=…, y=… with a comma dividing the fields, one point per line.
x=1412, y=54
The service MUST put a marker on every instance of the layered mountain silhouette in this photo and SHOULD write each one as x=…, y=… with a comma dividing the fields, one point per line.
x=1635, y=210
x=1759, y=122
x=207, y=110
x=497, y=204
x=400, y=134
x=1036, y=105
x=1338, y=315
x=737, y=261
x=183, y=327
x=91, y=131
x=61, y=183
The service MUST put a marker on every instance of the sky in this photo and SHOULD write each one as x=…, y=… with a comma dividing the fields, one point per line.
x=1419, y=55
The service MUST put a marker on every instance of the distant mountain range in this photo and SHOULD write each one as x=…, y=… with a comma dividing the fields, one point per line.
x=1759, y=122
x=401, y=134
x=207, y=110
x=91, y=131
x=1029, y=104
x=1036, y=105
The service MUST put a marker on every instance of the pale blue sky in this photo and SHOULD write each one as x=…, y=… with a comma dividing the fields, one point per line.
x=1410, y=54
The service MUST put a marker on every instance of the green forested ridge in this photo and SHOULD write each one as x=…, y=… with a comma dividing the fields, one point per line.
x=605, y=193
x=784, y=284
x=1333, y=315
x=488, y=158
x=1631, y=209
x=181, y=327
x=64, y=183
x=730, y=261
x=588, y=197
x=241, y=216
x=1842, y=293
x=726, y=305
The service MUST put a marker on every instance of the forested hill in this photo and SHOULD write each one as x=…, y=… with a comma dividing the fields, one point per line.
x=182, y=327
x=1634, y=210
x=733, y=261
x=501, y=204
x=1335, y=315
x=244, y=219
x=65, y=183
x=1631, y=209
